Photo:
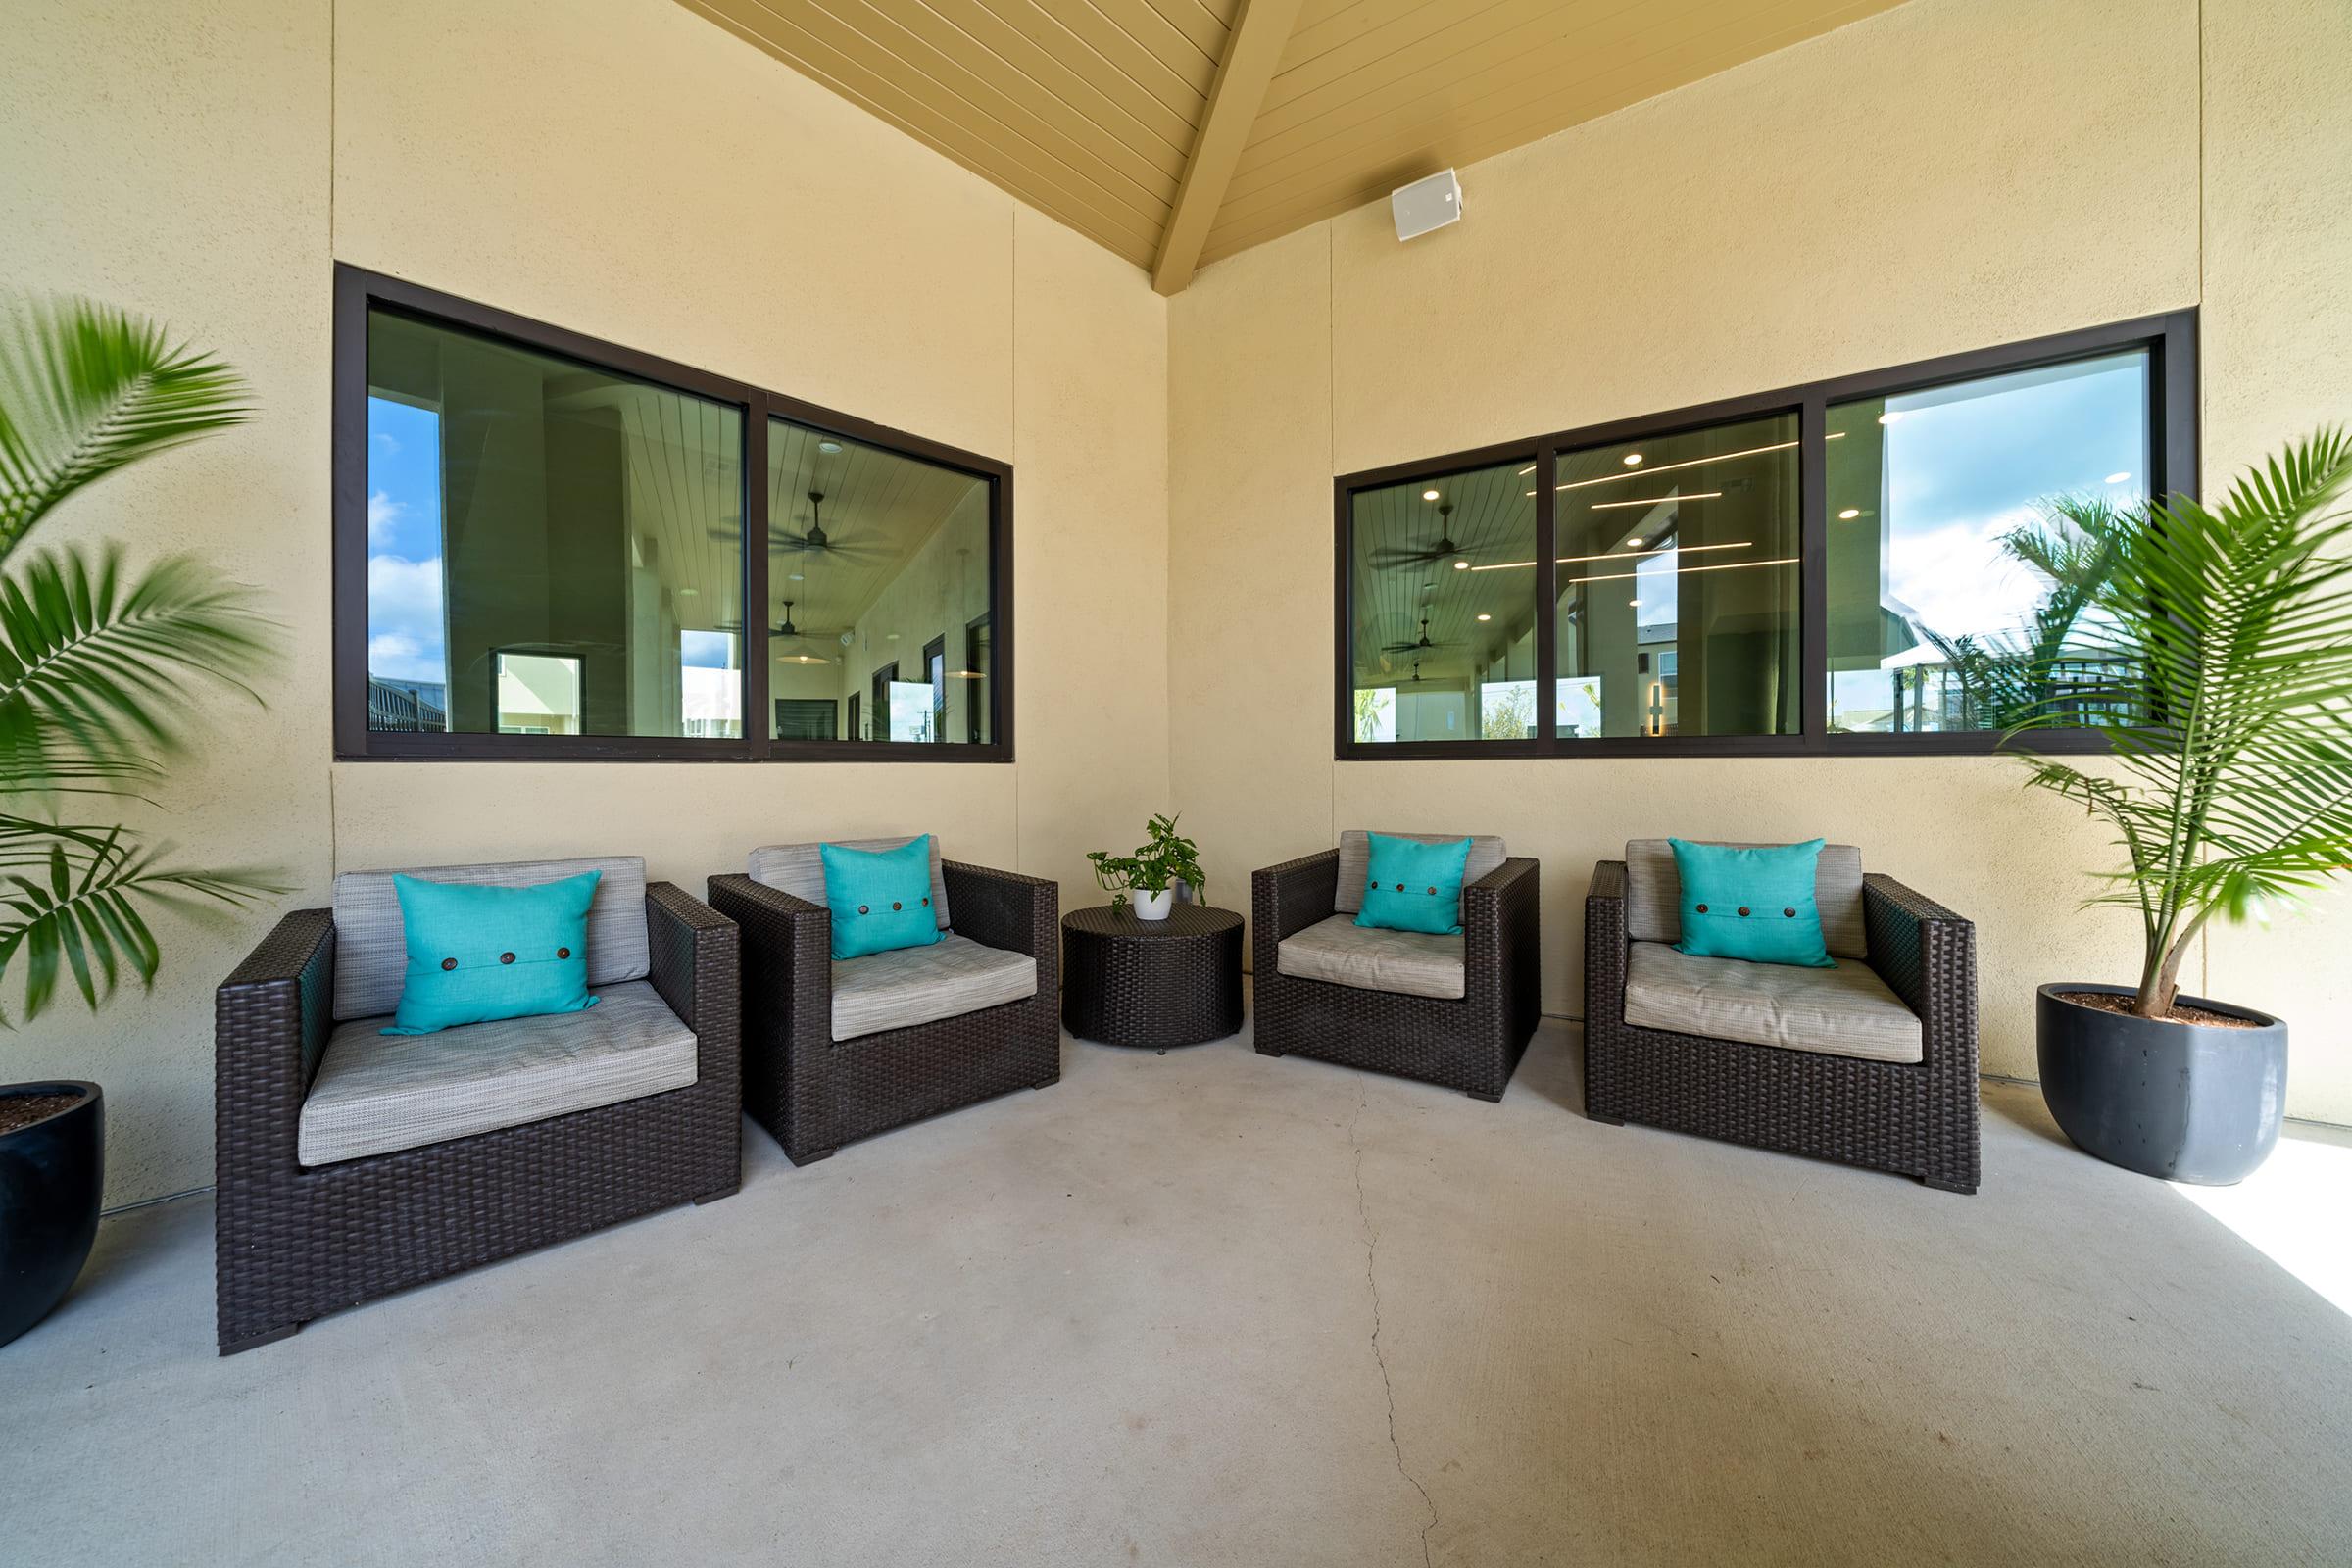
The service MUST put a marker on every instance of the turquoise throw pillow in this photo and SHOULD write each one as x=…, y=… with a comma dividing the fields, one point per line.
x=1755, y=905
x=880, y=898
x=477, y=953
x=1412, y=886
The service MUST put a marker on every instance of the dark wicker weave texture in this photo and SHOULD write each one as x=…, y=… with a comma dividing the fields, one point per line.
x=814, y=1094
x=1173, y=982
x=1472, y=1044
x=294, y=1244
x=1915, y=1118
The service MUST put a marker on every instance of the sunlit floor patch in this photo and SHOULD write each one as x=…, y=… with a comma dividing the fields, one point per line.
x=2293, y=1208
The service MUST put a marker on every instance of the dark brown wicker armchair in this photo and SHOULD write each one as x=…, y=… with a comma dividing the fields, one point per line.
x=293, y=1243
x=1471, y=1041
x=1917, y=1119
x=814, y=1093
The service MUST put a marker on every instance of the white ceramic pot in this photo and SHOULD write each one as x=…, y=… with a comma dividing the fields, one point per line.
x=1152, y=905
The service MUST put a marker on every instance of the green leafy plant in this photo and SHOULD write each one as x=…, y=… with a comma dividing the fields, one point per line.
x=95, y=657
x=1163, y=858
x=2223, y=639
x=2010, y=681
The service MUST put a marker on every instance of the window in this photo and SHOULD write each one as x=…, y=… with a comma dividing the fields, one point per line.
x=1835, y=568
x=1676, y=583
x=1934, y=621
x=976, y=666
x=541, y=553
x=1442, y=588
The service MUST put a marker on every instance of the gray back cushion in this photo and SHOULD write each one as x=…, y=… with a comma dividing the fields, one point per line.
x=1653, y=894
x=371, y=949
x=1487, y=853
x=800, y=869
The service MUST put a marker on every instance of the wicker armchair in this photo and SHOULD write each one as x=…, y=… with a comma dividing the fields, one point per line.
x=814, y=1092
x=1917, y=1117
x=294, y=1243
x=1471, y=1040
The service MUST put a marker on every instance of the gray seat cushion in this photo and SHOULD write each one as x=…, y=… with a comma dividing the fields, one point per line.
x=800, y=869
x=907, y=986
x=371, y=949
x=1341, y=953
x=1653, y=894
x=375, y=1093
x=1845, y=1011
x=1487, y=853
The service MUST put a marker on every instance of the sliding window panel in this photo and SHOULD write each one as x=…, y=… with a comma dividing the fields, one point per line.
x=1947, y=505
x=1678, y=586
x=552, y=549
x=873, y=555
x=1442, y=607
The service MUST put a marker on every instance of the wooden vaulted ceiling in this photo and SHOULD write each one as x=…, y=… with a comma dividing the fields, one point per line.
x=1178, y=132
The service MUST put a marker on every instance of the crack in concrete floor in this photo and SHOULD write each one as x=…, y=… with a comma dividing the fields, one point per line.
x=1364, y=1215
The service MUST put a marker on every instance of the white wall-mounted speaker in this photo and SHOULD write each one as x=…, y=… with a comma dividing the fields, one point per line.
x=1426, y=203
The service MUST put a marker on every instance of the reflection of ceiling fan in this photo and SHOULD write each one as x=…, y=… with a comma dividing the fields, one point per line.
x=1420, y=642
x=1444, y=550
x=816, y=541
x=792, y=644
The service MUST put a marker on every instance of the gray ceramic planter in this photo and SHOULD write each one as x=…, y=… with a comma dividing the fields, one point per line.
x=2189, y=1102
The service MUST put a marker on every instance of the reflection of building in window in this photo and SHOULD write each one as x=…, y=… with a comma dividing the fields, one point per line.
x=538, y=694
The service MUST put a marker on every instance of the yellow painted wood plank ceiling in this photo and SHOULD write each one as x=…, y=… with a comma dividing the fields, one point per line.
x=1178, y=132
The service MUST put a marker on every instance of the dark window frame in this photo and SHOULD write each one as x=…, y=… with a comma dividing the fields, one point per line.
x=357, y=291
x=2171, y=341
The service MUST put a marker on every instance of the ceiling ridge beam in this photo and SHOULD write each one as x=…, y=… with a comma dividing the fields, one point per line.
x=1253, y=53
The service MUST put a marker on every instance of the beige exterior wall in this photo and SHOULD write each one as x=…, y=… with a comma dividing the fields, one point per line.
x=624, y=168
x=1950, y=175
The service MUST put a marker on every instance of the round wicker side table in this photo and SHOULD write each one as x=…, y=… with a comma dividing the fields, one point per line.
x=1157, y=983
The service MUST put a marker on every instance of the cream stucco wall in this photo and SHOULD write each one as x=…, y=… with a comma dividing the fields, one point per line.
x=627, y=169
x=1947, y=176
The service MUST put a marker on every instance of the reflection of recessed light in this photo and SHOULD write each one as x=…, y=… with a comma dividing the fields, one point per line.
x=1633, y=460
x=795, y=576
x=1633, y=603
x=1849, y=514
x=828, y=448
x=2116, y=478
x=1890, y=416
x=1429, y=495
x=1486, y=618
x=894, y=636
x=1461, y=565
x=1633, y=542
x=690, y=593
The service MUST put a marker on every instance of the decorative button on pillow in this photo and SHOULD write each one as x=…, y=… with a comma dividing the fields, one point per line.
x=1755, y=905
x=1412, y=886
x=478, y=953
x=880, y=898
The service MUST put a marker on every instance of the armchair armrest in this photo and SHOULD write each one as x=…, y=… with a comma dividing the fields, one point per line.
x=271, y=1021
x=1008, y=911
x=1502, y=937
x=1605, y=954
x=1286, y=899
x=697, y=958
x=1924, y=952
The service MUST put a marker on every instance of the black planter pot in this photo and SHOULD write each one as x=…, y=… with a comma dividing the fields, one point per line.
x=2189, y=1102
x=51, y=1176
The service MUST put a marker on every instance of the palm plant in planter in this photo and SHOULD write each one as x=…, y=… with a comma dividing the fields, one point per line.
x=95, y=660
x=1152, y=872
x=2226, y=640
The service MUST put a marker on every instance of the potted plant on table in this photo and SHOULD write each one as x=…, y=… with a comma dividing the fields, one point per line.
x=94, y=665
x=2221, y=642
x=1164, y=861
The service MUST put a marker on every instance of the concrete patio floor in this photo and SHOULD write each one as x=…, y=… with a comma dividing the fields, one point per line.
x=1216, y=1308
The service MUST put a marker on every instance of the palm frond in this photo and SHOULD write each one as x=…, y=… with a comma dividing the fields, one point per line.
x=73, y=901
x=86, y=388
x=2225, y=634
x=95, y=664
